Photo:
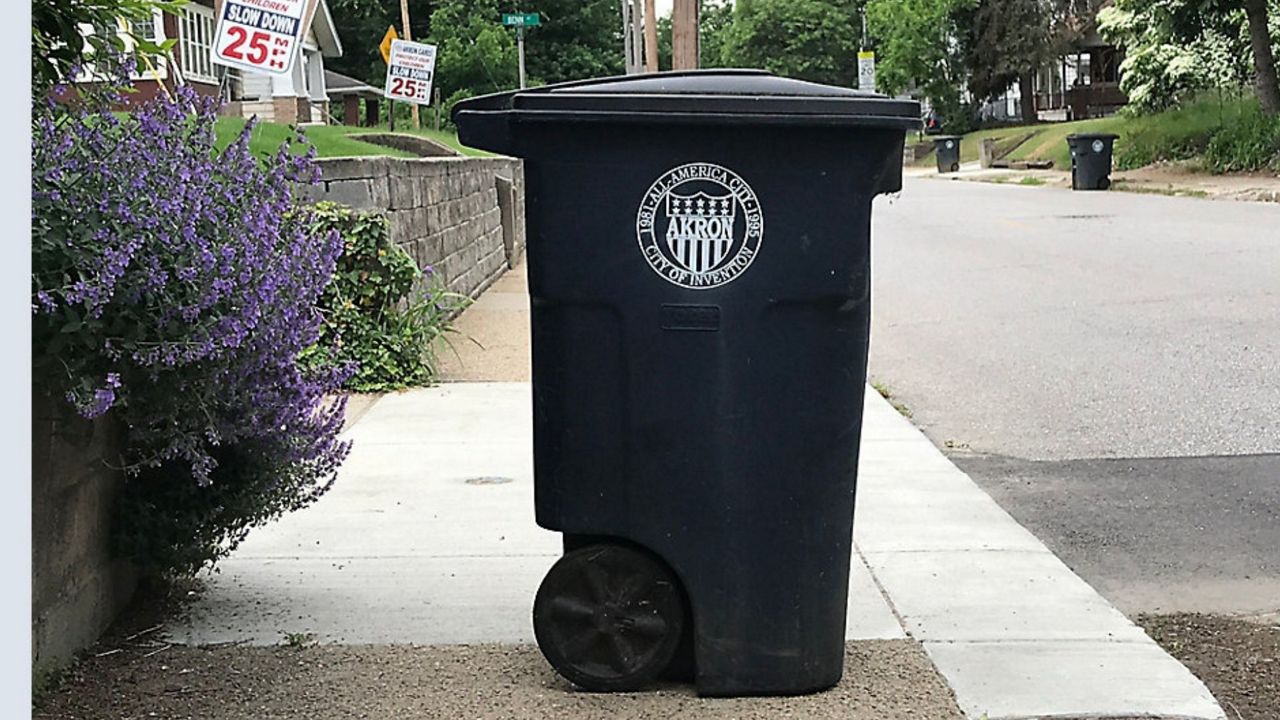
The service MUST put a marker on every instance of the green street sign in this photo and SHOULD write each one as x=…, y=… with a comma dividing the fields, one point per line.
x=521, y=19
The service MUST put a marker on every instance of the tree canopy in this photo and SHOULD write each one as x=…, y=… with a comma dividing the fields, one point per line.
x=814, y=40
x=361, y=24
x=918, y=44
x=477, y=54
x=577, y=39
x=1175, y=48
x=1004, y=42
x=934, y=48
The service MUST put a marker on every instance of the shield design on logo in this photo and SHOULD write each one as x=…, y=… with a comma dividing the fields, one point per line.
x=700, y=229
x=699, y=226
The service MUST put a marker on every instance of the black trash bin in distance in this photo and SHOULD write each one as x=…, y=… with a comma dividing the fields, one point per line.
x=1091, y=160
x=947, y=148
x=699, y=272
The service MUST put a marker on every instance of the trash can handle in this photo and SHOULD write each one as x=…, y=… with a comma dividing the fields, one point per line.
x=488, y=130
x=889, y=177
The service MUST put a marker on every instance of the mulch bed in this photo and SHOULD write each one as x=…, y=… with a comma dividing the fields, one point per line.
x=1239, y=659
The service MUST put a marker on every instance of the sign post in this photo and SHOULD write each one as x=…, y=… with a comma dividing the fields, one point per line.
x=867, y=70
x=520, y=21
x=410, y=72
x=261, y=36
x=404, y=21
x=384, y=47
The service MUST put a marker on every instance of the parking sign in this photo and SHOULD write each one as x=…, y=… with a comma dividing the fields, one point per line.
x=410, y=71
x=867, y=70
x=261, y=35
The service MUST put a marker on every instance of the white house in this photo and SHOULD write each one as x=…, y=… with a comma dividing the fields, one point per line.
x=299, y=97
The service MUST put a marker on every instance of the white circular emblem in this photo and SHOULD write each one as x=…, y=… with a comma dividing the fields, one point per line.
x=1098, y=145
x=699, y=226
x=951, y=144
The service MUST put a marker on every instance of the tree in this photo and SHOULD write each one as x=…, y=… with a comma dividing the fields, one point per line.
x=918, y=42
x=714, y=24
x=1006, y=41
x=361, y=25
x=475, y=53
x=577, y=39
x=1175, y=48
x=814, y=40
x=1263, y=58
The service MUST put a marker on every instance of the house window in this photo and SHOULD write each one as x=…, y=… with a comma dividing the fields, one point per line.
x=197, y=41
x=107, y=30
x=143, y=29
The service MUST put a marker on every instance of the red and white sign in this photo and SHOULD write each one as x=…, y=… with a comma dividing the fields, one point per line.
x=261, y=35
x=410, y=71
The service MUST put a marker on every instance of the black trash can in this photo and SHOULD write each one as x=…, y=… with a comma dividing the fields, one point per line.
x=698, y=255
x=947, y=148
x=1091, y=160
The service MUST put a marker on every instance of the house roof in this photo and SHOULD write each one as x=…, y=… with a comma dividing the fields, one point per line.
x=337, y=85
x=326, y=32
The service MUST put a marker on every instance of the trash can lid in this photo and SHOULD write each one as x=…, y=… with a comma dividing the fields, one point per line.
x=722, y=96
x=943, y=138
x=1092, y=136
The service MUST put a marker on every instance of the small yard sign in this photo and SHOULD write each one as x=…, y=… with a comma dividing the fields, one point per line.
x=521, y=19
x=261, y=35
x=410, y=71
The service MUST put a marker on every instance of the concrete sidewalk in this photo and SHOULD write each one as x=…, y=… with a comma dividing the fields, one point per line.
x=429, y=539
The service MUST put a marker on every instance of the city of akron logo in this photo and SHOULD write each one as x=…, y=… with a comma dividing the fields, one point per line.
x=700, y=226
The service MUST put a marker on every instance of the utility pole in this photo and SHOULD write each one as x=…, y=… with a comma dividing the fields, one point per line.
x=650, y=36
x=684, y=35
x=404, y=20
x=628, y=51
x=637, y=43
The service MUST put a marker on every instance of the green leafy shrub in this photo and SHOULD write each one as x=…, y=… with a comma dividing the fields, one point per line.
x=381, y=313
x=1252, y=142
x=1183, y=133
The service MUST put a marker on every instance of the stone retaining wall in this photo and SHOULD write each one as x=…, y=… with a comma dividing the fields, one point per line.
x=448, y=213
x=77, y=587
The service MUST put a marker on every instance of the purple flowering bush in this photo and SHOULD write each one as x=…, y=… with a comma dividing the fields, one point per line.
x=175, y=286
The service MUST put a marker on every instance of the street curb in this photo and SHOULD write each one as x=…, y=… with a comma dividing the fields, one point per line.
x=1015, y=633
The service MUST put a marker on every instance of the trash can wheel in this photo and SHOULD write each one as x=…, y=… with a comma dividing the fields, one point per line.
x=608, y=617
x=1104, y=183
x=955, y=167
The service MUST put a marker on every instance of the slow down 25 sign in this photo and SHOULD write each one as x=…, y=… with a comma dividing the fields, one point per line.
x=261, y=35
x=410, y=71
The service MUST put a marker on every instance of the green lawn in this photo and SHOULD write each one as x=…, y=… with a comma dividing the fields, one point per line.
x=329, y=140
x=1046, y=141
x=443, y=136
x=1173, y=135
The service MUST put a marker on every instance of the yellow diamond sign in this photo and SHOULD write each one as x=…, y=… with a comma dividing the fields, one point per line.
x=385, y=45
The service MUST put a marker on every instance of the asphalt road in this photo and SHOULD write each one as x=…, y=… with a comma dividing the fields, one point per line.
x=1107, y=366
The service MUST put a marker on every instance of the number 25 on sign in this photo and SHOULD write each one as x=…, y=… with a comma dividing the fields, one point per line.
x=260, y=35
x=410, y=70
